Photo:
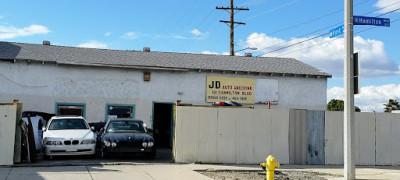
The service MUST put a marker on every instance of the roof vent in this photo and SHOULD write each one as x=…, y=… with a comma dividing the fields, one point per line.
x=248, y=54
x=146, y=49
x=46, y=43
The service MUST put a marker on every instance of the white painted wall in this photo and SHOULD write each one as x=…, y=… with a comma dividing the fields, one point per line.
x=40, y=86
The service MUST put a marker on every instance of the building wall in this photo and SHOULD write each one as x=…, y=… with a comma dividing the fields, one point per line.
x=40, y=86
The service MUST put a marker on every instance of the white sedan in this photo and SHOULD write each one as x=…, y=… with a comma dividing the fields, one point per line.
x=68, y=135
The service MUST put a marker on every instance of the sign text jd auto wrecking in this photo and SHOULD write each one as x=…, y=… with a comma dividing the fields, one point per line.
x=240, y=90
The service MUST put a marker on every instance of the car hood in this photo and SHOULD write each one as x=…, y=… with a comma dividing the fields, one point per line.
x=127, y=137
x=69, y=134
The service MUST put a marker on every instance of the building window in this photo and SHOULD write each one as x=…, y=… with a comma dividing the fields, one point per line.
x=114, y=111
x=77, y=109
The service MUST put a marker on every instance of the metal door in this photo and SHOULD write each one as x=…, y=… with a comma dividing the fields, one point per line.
x=316, y=137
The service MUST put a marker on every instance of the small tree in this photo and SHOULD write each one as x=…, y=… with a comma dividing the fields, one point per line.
x=391, y=105
x=338, y=105
x=335, y=105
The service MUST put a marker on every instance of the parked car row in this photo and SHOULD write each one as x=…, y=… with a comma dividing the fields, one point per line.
x=71, y=135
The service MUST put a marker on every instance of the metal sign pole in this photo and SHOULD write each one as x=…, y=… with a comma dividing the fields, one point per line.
x=349, y=121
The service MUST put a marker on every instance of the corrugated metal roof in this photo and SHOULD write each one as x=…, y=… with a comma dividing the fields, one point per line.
x=106, y=57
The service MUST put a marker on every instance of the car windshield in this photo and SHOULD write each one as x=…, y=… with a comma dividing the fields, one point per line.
x=125, y=127
x=61, y=124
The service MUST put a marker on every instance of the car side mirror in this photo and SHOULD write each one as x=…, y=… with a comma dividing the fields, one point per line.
x=101, y=130
x=43, y=128
x=92, y=128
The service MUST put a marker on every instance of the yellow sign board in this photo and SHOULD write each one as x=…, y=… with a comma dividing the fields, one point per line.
x=240, y=90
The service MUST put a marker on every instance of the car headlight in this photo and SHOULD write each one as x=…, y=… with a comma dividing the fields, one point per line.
x=91, y=141
x=114, y=144
x=107, y=143
x=53, y=143
x=150, y=144
x=144, y=144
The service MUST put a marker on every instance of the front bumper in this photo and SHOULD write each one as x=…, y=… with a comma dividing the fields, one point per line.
x=127, y=150
x=66, y=150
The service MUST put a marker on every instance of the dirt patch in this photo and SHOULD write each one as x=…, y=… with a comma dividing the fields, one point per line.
x=260, y=175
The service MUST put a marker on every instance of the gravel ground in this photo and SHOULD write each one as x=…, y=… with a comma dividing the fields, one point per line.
x=260, y=175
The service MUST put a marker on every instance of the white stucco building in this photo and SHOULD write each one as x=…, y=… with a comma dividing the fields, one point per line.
x=99, y=83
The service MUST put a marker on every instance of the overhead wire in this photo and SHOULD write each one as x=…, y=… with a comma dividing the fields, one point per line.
x=308, y=47
x=306, y=22
x=318, y=31
x=204, y=19
x=272, y=10
x=253, y=3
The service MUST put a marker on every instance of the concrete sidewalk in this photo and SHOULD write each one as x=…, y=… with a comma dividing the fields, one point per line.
x=169, y=171
x=362, y=172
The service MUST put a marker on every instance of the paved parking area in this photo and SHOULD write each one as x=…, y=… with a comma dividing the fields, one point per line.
x=161, y=168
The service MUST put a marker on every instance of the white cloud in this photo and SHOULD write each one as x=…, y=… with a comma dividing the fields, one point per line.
x=93, y=44
x=371, y=97
x=12, y=32
x=224, y=53
x=329, y=55
x=209, y=52
x=130, y=35
x=107, y=34
x=179, y=37
x=196, y=32
x=387, y=5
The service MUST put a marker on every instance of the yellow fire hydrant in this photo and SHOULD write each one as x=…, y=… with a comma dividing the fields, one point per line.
x=270, y=167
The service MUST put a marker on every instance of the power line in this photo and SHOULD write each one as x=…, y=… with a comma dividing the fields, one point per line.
x=306, y=22
x=254, y=3
x=320, y=34
x=271, y=10
x=308, y=47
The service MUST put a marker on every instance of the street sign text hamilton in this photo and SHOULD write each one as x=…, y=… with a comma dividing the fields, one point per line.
x=363, y=20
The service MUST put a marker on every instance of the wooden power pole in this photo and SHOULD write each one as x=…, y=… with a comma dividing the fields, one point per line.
x=231, y=10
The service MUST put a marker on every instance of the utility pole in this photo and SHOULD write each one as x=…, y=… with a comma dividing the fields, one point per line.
x=349, y=120
x=232, y=23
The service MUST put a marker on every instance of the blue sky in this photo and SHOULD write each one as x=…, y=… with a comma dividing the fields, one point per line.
x=193, y=27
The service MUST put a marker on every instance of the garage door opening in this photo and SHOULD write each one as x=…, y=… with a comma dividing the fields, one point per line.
x=162, y=124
